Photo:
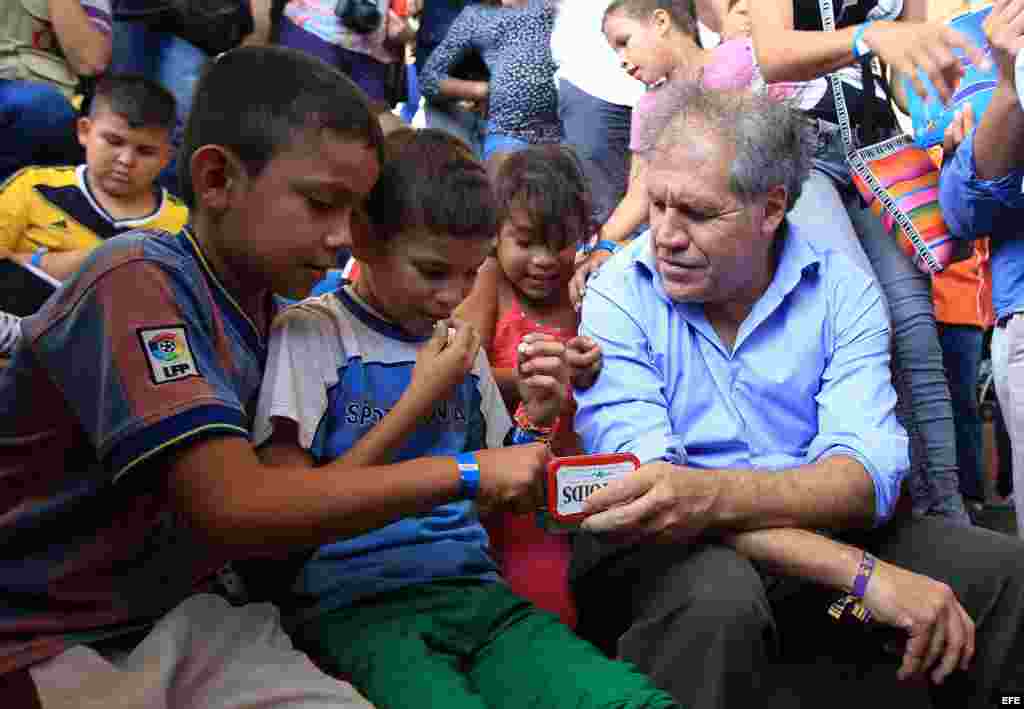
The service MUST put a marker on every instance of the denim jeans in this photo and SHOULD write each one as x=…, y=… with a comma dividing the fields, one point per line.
x=37, y=127
x=599, y=132
x=498, y=143
x=961, y=353
x=468, y=126
x=925, y=404
x=167, y=59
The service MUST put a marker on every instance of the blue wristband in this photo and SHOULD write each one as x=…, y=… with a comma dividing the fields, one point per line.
x=860, y=47
x=37, y=256
x=605, y=245
x=469, y=475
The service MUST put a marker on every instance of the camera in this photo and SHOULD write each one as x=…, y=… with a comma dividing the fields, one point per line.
x=360, y=16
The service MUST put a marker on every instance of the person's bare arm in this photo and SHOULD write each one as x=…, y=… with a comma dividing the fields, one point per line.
x=678, y=502
x=632, y=211
x=86, y=47
x=465, y=89
x=59, y=264
x=908, y=45
x=248, y=508
x=999, y=138
x=941, y=636
x=261, y=23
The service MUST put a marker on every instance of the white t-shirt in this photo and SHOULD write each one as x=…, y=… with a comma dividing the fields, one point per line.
x=585, y=58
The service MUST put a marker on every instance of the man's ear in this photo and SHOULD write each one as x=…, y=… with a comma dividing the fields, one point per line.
x=217, y=175
x=83, y=127
x=776, y=203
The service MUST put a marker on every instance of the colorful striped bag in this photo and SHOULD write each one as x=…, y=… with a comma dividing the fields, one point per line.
x=898, y=180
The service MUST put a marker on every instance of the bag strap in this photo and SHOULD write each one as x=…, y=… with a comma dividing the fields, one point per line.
x=856, y=160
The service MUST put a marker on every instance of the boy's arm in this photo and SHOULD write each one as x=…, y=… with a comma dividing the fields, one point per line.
x=239, y=504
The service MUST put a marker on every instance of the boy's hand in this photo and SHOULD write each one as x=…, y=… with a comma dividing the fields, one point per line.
x=543, y=375
x=584, y=357
x=444, y=361
x=512, y=478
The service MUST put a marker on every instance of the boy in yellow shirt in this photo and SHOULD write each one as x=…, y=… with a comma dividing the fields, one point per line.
x=53, y=217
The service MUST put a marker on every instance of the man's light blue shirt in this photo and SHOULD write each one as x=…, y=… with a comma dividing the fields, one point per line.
x=974, y=207
x=808, y=376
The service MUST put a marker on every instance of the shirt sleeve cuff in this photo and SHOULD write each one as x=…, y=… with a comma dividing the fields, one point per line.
x=886, y=488
x=157, y=439
x=658, y=446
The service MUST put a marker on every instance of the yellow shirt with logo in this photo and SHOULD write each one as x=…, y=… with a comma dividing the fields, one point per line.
x=54, y=207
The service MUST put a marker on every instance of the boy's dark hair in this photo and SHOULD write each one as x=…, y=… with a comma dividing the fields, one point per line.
x=546, y=182
x=682, y=12
x=431, y=181
x=140, y=101
x=255, y=101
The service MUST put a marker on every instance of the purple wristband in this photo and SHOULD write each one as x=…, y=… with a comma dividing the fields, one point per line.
x=860, y=583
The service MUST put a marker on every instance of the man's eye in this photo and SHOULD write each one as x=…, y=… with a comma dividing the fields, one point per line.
x=658, y=205
x=318, y=205
x=432, y=274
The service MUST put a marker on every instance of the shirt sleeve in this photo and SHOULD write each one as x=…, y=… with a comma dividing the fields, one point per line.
x=140, y=367
x=99, y=13
x=975, y=207
x=493, y=413
x=457, y=44
x=302, y=366
x=14, y=209
x=857, y=402
x=625, y=410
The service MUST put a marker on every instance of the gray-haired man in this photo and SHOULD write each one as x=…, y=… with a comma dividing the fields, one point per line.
x=748, y=369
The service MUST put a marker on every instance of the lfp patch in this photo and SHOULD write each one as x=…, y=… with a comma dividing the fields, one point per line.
x=168, y=354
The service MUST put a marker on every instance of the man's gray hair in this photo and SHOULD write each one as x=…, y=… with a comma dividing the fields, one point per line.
x=773, y=141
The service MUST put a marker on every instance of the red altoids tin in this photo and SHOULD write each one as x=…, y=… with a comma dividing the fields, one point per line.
x=572, y=479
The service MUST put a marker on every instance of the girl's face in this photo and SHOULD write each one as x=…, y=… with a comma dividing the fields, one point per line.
x=531, y=264
x=641, y=45
x=736, y=24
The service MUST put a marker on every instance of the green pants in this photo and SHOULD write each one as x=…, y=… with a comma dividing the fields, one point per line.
x=466, y=644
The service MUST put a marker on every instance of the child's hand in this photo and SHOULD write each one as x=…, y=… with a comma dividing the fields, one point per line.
x=584, y=358
x=543, y=377
x=444, y=361
x=584, y=270
x=958, y=129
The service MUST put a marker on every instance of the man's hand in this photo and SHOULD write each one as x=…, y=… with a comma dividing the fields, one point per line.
x=543, y=377
x=584, y=358
x=443, y=361
x=512, y=478
x=941, y=633
x=958, y=129
x=1004, y=28
x=910, y=48
x=584, y=270
x=660, y=500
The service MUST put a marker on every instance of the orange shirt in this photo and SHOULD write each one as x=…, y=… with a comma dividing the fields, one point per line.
x=963, y=292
